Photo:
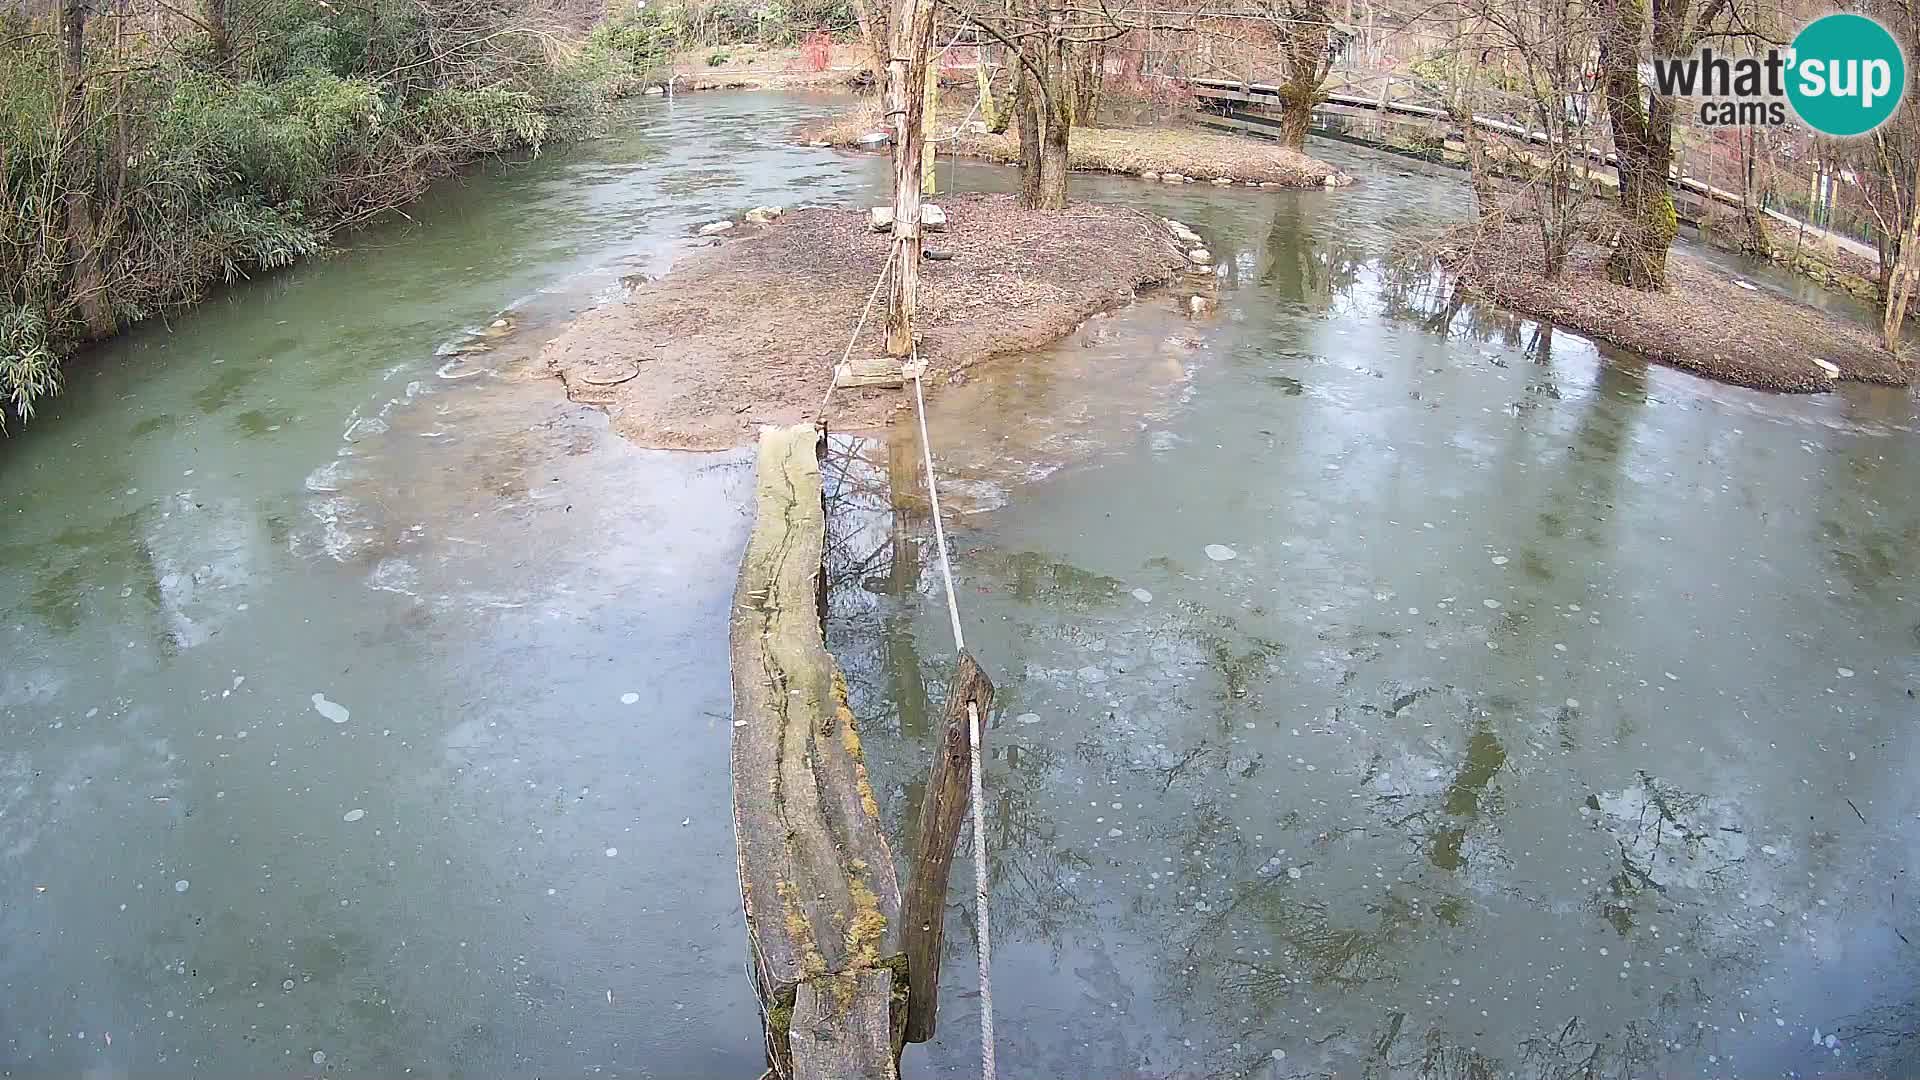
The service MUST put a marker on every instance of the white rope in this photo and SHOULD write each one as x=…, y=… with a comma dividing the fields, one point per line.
x=933, y=500
x=980, y=902
x=982, y=905
x=833, y=377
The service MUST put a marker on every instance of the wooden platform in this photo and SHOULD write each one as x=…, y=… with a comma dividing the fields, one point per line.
x=816, y=877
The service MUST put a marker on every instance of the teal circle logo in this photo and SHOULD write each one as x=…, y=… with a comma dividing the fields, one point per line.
x=1847, y=75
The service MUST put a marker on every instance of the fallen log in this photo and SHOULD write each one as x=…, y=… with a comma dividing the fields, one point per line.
x=817, y=880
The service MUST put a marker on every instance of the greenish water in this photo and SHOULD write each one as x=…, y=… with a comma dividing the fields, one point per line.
x=512, y=855
x=293, y=505
x=1391, y=686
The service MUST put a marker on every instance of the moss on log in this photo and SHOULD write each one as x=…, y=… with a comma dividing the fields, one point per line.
x=816, y=876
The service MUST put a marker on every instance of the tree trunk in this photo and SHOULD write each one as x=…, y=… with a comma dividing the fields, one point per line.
x=1754, y=184
x=1899, y=288
x=1296, y=117
x=1649, y=221
x=990, y=113
x=929, y=157
x=73, y=33
x=1026, y=107
x=1486, y=195
x=1086, y=70
x=219, y=37
x=1056, y=114
x=1643, y=151
x=906, y=101
x=1306, y=56
x=873, y=37
x=1053, y=159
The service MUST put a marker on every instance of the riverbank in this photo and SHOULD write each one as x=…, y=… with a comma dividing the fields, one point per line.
x=1705, y=322
x=1175, y=154
x=765, y=67
x=747, y=333
x=233, y=154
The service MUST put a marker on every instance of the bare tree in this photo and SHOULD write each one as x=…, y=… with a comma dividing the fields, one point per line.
x=1046, y=39
x=1642, y=122
x=1887, y=164
x=1307, y=43
x=1756, y=184
x=1551, y=39
x=874, y=36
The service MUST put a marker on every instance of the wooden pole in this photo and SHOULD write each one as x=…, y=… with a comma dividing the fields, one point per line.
x=929, y=153
x=924, y=906
x=906, y=101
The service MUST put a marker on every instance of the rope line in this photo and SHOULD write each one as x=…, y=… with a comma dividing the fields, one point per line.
x=833, y=376
x=933, y=500
x=982, y=906
x=982, y=902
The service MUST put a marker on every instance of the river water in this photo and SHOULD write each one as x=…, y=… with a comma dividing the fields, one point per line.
x=365, y=703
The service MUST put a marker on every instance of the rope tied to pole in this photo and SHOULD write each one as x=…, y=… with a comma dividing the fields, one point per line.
x=915, y=369
x=833, y=375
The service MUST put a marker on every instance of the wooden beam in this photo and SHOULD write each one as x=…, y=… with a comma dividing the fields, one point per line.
x=944, y=807
x=816, y=875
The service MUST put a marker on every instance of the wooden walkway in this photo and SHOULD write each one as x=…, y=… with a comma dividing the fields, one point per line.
x=1243, y=107
x=817, y=880
x=846, y=970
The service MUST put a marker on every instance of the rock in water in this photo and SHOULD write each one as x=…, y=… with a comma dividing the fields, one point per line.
x=332, y=710
x=715, y=228
x=1223, y=181
x=764, y=215
x=880, y=219
x=1221, y=553
x=934, y=218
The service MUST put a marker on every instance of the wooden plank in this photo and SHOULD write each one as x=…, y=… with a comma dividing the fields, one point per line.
x=842, y=1028
x=816, y=876
x=942, y=809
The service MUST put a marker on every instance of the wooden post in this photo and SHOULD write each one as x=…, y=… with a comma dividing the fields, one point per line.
x=929, y=152
x=906, y=101
x=950, y=780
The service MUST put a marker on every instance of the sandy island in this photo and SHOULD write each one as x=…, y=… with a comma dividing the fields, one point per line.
x=747, y=332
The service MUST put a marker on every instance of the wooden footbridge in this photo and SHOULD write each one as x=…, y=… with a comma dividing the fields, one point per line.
x=846, y=966
x=1249, y=108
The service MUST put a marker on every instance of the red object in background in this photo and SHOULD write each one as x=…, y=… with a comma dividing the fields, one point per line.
x=815, y=49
